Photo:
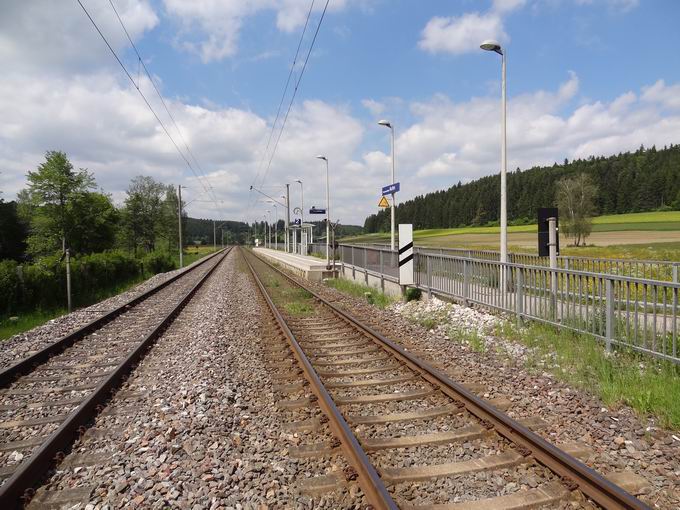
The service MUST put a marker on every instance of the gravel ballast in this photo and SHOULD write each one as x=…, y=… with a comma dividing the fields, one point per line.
x=620, y=439
x=196, y=425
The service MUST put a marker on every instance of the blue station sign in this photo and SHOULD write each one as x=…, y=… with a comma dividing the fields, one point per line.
x=392, y=188
x=315, y=210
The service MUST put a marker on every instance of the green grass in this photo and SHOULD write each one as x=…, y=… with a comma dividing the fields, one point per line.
x=661, y=221
x=646, y=217
x=293, y=300
x=650, y=387
x=194, y=253
x=30, y=320
x=298, y=308
x=378, y=298
x=27, y=321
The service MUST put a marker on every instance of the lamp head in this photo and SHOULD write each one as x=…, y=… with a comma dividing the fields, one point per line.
x=320, y=156
x=385, y=123
x=298, y=180
x=491, y=45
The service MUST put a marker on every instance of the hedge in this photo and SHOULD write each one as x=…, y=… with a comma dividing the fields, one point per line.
x=42, y=285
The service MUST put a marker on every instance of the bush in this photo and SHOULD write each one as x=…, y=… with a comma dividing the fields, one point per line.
x=412, y=294
x=158, y=262
x=9, y=285
x=43, y=285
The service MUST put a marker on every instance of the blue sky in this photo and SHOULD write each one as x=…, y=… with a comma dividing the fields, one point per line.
x=585, y=77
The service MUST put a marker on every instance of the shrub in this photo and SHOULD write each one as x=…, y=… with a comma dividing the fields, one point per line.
x=412, y=294
x=158, y=262
x=44, y=285
x=9, y=285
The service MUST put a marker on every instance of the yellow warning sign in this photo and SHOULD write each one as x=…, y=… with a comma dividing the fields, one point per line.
x=383, y=202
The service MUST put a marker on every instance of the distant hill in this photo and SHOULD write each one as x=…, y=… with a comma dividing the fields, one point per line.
x=644, y=180
x=200, y=231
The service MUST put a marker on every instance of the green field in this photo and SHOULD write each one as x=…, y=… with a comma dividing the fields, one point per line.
x=651, y=235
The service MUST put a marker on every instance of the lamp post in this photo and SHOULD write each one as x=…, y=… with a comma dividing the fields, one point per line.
x=276, y=226
x=266, y=224
x=179, y=218
x=389, y=125
x=328, y=214
x=302, y=210
x=269, y=217
x=491, y=45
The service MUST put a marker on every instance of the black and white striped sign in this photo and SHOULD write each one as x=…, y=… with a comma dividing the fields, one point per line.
x=405, y=254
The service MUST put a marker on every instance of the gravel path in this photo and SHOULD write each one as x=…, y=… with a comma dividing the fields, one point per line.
x=196, y=425
x=621, y=440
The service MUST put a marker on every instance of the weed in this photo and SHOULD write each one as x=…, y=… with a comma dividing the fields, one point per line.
x=379, y=299
x=298, y=308
x=412, y=294
x=648, y=386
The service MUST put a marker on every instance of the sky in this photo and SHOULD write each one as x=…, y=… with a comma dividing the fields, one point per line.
x=584, y=77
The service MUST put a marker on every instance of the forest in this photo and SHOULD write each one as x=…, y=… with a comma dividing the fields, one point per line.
x=645, y=180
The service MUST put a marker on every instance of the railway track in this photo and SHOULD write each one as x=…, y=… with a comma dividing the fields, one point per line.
x=400, y=422
x=48, y=399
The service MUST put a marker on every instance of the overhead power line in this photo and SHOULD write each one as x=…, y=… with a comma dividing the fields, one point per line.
x=295, y=90
x=146, y=101
x=285, y=89
x=160, y=96
x=278, y=111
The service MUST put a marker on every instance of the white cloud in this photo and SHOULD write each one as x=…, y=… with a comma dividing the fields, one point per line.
x=622, y=6
x=218, y=22
x=461, y=34
x=57, y=37
x=508, y=5
x=373, y=106
x=666, y=95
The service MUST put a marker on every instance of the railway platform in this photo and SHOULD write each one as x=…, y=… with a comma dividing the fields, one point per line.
x=311, y=268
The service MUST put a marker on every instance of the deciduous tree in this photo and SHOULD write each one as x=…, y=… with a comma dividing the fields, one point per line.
x=576, y=198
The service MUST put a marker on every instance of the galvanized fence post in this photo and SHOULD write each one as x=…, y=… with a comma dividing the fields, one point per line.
x=466, y=281
x=519, y=295
x=353, y=266
x=610, y=313
x=429, y=276
x=382, y=271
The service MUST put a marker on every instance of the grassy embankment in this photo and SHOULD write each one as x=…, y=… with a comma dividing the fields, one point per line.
x=652, y=235
x=30, y=320
x=371, y=294
x=650, y=387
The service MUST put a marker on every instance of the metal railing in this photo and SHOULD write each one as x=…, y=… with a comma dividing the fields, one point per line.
x=635, y=268
x=636, y=313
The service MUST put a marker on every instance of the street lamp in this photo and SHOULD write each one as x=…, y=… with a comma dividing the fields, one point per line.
x=269, y=215
x=328, y=214
x=276, y=226
x=264, y=233
x=302, y=202
x=388, y=124
x=302, y=211
x=491, y=45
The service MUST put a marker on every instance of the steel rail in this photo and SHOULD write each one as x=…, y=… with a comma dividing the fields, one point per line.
x=19, y=487
x=575, y=473
x=369, y=480
x=25, y=365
